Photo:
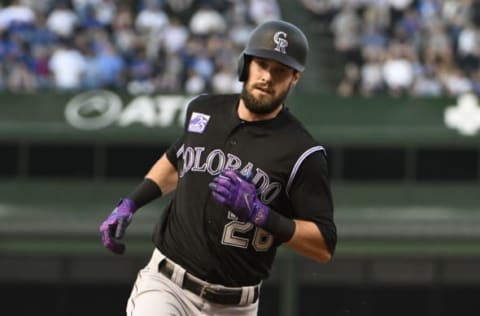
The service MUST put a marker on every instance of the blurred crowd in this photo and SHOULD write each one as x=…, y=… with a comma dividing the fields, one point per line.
x=388, y=47
x=404, y=47
x=145, y=46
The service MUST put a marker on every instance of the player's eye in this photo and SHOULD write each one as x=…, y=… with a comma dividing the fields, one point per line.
x=261, y=63
x=281, y=71
x=275, y=68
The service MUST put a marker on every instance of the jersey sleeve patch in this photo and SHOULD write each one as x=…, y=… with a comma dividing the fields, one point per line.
x=198, y=122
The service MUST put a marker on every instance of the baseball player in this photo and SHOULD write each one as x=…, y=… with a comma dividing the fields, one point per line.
x=246, y=178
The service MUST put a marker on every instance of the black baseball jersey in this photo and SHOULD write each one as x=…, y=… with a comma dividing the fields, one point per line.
x=288, y=168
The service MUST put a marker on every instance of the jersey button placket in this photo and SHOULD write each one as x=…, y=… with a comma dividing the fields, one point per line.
x=231, y=140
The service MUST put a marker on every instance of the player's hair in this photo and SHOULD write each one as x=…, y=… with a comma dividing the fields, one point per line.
x=277, y=40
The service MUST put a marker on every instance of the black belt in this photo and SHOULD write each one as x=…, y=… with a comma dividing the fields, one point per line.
x=223, y=296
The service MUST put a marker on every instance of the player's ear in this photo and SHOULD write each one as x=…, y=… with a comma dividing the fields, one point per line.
x=296, y=77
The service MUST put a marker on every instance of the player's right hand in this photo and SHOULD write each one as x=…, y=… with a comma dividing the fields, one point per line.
x=114, y=227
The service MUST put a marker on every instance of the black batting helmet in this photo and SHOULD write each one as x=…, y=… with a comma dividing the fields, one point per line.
x=277, y=40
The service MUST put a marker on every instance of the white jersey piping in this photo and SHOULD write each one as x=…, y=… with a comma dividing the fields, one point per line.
x=298, y=163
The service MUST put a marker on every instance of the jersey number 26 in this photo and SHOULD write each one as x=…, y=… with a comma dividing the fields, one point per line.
x=261, y=240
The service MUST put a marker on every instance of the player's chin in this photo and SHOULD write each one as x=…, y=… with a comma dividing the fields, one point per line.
x=262, y=109
x=263, y=99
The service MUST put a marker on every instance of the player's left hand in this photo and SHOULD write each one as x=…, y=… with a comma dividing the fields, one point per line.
x=239, y=195
x=114, y=227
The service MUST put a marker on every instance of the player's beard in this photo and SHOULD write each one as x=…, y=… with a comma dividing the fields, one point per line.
x=259, y=106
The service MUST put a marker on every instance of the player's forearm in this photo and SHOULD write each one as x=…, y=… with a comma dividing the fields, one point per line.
x=308, y=241
x=160, y=180
x=164, y=174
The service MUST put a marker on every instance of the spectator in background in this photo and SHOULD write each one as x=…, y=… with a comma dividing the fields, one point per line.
x=439, y=40
x=105, y=67
x=371, y=73
x=62, y=20
x=396, y=10
x=372, y=40
x=264, y=10
x=171, y=78
x=195, y=83
x=180, y=8
x=68, y=66
x=468, y=48
x=92, y=73
x=237, y=14
x=82, y=7
x=377, y=13
x=350, y=81
x=16, y=15
x=225, y=80
x=409, y=27
x=21, y=78
x=455, y=81
x=427, y=84
x=398, y=69
x=123, y=34
x=151, y=19
x=41, y=55
x=13, y=47
x=40, y=34
x=175, y=36
x=321, y=11
x=239, y=33
x=442, y=34
x=105, y=12
x=437, y=43
x=149, y=45
x=151, y=23
x=428, y=9
x=457, y=12
x=90, y=20
x=346, y=28
x=206, y=21
x=140, y=73
x=38, y=5
x=202, y=65
x=224, y=53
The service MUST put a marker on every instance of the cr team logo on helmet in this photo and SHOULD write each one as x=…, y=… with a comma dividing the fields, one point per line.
x=277, y=40
x=280, y=39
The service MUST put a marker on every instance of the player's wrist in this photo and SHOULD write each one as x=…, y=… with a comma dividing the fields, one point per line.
x=260, y=214
x=281, y=227
x=145, y=192
x=127, y=205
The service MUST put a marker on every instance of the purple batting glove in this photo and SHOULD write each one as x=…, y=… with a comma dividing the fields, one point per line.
x=113, y=228
x=240, y=196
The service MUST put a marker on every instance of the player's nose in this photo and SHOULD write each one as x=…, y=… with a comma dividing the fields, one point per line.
x=266, y=76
